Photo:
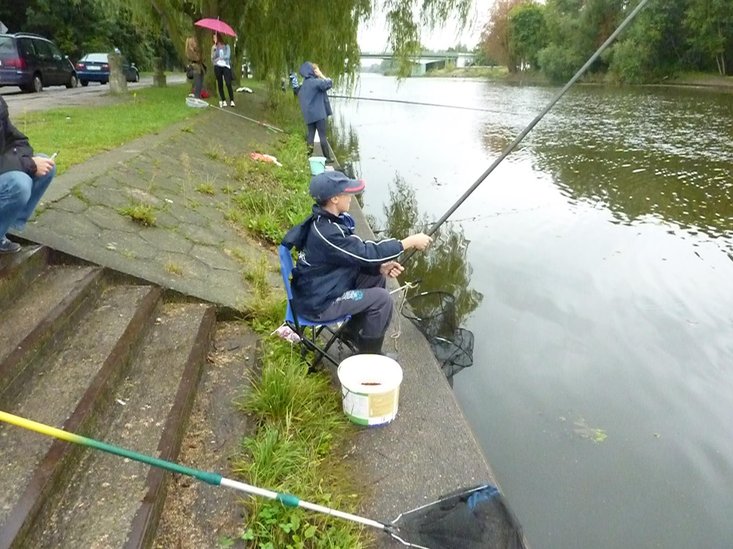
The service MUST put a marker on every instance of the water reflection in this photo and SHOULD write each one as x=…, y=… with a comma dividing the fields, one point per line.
x=647, y=165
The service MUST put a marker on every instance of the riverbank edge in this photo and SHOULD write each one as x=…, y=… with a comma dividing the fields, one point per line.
x=530, y=78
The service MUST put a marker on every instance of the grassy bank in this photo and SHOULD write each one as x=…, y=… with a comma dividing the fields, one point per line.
x=79, y=133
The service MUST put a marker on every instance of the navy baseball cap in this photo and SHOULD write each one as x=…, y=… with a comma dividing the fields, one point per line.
x=332, y=183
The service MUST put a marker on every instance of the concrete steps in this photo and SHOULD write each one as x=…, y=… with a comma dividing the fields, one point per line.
x=104, y=356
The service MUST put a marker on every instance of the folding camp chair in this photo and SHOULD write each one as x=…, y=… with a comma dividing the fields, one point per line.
x=329, y=331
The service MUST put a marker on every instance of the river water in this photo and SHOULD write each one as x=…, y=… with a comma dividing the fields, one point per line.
x=595, y=270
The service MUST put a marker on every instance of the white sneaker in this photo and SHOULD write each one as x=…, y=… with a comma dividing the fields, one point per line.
x=231, y=103
x=222, y=104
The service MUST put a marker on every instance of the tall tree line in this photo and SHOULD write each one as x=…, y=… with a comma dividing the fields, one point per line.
x=668, y=37
x=274, y=35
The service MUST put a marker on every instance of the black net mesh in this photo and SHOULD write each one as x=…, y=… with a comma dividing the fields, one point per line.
x=478, y=518
x=454, y=354
x=434, y=313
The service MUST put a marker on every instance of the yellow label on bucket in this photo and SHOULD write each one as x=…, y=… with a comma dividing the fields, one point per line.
x=382, y=404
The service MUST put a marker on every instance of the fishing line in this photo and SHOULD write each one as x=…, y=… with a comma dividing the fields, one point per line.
x=200, y=103
x=532, y=124
x=405, y=102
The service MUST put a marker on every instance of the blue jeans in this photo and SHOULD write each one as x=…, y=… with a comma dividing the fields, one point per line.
x=19, y=195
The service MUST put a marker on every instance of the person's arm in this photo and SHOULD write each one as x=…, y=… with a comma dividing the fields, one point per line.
x=351, y=249
x=15, y=139
x=227, y=54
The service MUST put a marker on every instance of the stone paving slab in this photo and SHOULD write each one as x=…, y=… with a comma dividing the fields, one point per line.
x=192, y=248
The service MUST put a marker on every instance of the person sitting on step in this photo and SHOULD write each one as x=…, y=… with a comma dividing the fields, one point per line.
x=23, y=179
x=337, y=273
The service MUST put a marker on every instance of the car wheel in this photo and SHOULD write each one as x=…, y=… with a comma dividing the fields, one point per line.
x=37, y=84
x=73, y=81
x=103, y=82
x=84, y=83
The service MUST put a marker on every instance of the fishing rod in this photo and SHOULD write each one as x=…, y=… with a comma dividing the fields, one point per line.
x=404, y=526
x=405, y=102
x=509, y=148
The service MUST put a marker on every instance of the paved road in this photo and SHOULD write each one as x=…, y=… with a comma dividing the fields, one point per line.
x=59, y=96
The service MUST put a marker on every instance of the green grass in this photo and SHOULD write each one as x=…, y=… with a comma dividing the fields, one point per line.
x=271, y=199
x=79, y=133
x=301, y=432
x=143, y=214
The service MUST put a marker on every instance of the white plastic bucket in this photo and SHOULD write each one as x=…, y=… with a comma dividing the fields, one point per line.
x=370, y=388
x=318, y=164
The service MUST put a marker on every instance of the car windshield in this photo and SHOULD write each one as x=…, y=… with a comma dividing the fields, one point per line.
x=95, y=58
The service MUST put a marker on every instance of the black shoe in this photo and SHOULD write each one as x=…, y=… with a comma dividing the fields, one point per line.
x=8, y=246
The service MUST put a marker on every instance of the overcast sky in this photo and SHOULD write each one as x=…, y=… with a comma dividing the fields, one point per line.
x=373, y=35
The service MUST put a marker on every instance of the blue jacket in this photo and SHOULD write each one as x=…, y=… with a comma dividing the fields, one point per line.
x=312, y=95
x=330, y=259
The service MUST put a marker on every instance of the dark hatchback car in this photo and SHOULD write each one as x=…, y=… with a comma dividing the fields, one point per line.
x=94, y=67
x=31, y=62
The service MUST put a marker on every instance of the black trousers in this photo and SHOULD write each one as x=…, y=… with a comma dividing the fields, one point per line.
x=224, y=73
x=319, y=125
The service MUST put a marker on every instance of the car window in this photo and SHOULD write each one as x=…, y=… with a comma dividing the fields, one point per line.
x=95, y=58
x=43, y=49
x=55, y=51
x=25, y=47
x=7, y=47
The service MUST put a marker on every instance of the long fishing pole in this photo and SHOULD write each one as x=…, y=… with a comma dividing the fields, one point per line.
x=532, y=124
x=405, y=102
x=214, y=479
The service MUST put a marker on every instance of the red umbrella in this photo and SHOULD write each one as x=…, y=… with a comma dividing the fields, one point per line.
x=216, y=25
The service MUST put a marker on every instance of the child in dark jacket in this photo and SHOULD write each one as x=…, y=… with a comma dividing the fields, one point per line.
x=23, y=179
x=338, y=273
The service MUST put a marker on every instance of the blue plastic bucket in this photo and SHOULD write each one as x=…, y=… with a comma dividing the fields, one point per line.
x=318, y=164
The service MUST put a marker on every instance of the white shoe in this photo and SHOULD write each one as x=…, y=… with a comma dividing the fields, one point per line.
x=222, y=104
x=231, y=103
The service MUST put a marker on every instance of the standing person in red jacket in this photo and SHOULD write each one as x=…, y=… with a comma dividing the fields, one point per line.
x=24, y=177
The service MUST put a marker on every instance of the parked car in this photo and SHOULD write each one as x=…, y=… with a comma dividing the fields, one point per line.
x=94, y=67
x=31, y=62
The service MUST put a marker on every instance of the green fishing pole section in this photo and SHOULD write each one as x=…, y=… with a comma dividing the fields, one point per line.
x=214, y=479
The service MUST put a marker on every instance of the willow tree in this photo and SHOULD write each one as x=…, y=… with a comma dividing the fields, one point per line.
x=277, y=35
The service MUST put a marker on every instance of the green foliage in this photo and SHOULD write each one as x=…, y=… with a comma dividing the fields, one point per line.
x=711, y=30
x=301, y=426
x=668, y=36
x=527, y=34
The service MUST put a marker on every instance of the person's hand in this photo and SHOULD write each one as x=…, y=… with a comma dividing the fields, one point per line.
x=43, y=165
x=391, y=269
x=419, y=241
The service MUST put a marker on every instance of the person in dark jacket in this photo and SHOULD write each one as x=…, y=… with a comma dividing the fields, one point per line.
x=23, y=179
x=337, y=273
x=314, y=105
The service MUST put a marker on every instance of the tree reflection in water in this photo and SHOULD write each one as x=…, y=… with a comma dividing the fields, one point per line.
x=443, y=268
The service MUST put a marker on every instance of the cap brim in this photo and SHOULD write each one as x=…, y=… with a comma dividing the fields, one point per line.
x=355, y=186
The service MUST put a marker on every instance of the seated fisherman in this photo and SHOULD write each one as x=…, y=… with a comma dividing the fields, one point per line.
x=23, y=179
x=338, y=273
